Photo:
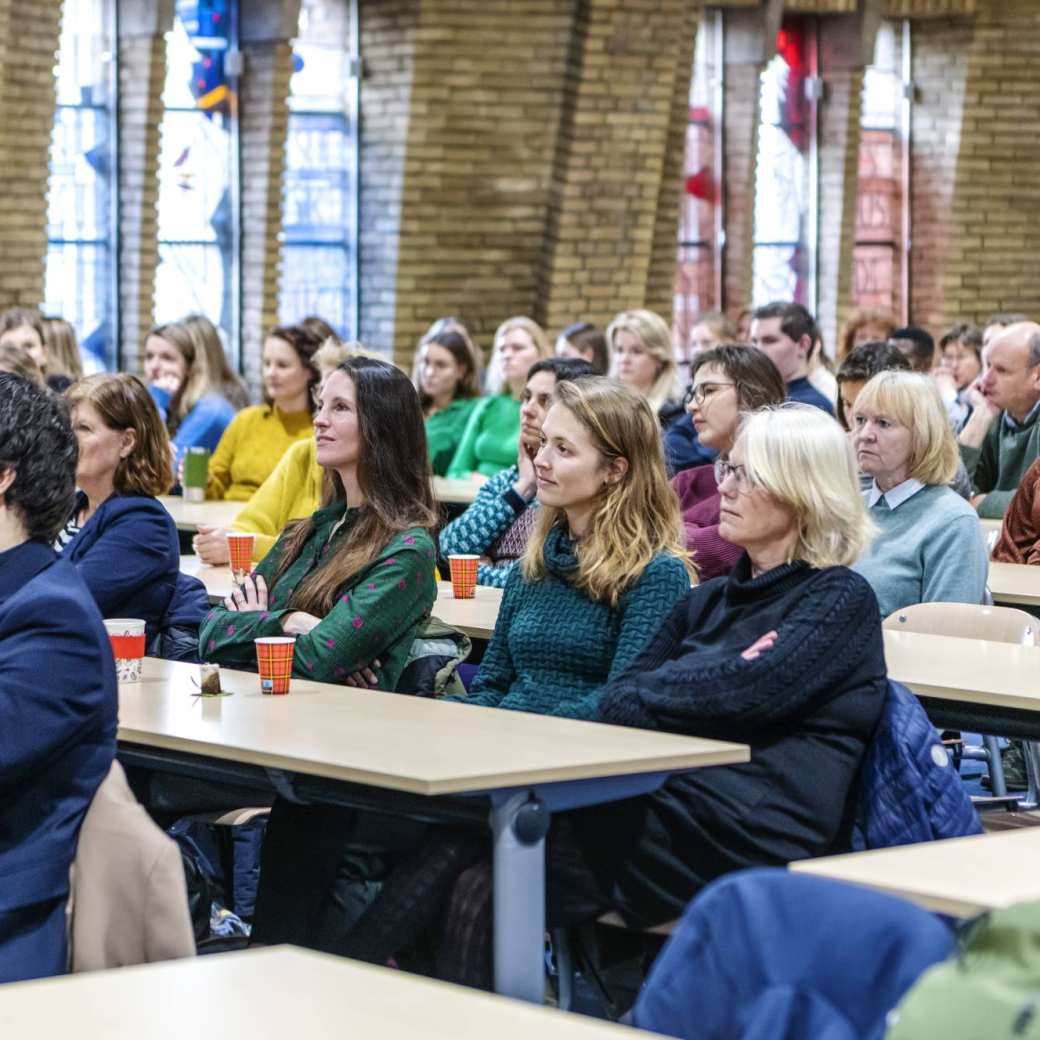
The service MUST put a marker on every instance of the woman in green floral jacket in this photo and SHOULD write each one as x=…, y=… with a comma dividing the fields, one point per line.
x=355, y=580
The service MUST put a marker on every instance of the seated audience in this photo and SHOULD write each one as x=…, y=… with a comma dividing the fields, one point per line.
x=291, y=492
x=1019, y=540
x=192, y=382
x=727, y=381
x=1001, y=438
x=865, y=325
x=353, y=582
x=788, y=334
x=743, y=323
x=997, y=323
x=23, y=327
x=15, y=359
x=916, y=345
x=643, y=358
x=64, y=364
x=500, y=520
x=447, y=377
x=256, y=438
x=821, y=371
x=489, y=441
x=960, y=349
x=604, y=564
x=929, y=547
x=682, y=447
x=119, y=537
x=58, y=692
x=584, y=341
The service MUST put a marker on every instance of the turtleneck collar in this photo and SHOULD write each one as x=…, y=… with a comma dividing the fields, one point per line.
x=742, y=587
x=559, y=552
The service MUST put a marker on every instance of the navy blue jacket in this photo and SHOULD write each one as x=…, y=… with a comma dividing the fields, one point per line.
x=909, y=790
x=129, y=556
x=803, y=392
x=682, y=447
x=57, y=726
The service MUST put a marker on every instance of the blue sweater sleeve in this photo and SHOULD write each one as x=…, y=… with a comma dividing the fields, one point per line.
x=204, y=425
x=487, y=518
x=954, y=563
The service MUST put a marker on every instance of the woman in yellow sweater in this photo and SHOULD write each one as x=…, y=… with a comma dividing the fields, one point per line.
x=258, y=437
x=292, y=491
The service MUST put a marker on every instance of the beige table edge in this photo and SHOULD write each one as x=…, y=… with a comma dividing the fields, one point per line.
x=943, y=876
x=278, y=991
x=698, y=752
x=1015, y=583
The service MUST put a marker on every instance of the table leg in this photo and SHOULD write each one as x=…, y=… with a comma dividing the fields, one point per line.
x=519, y=826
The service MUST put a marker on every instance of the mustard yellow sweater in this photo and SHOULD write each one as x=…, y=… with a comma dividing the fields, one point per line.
x=292, y=491
x=251, y=447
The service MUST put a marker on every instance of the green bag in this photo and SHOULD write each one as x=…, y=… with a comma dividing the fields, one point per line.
x=990, y=989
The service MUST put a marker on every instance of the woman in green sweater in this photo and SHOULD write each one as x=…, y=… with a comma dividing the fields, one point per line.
x=489, y=442
x=447, y=376
x=605, y=564
x=353, y=582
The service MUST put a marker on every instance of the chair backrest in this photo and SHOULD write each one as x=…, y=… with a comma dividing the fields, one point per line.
x=966, y=620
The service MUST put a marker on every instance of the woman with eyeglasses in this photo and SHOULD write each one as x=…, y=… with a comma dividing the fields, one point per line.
x=726, y=382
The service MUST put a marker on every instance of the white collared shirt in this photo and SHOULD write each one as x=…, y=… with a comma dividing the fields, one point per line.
x=894, y=497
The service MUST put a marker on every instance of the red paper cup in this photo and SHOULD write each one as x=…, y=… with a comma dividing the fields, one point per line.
x=240, y=553
x=127, y=638
x=463, y=575
x=274, y=656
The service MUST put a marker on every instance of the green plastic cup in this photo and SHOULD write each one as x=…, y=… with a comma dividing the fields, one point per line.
x=196, y=474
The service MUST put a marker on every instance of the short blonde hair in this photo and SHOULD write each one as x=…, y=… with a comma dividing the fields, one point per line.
x=800, y=456
x=495, y=382
x=912, y=399
x=656, y=338
x=638, y=516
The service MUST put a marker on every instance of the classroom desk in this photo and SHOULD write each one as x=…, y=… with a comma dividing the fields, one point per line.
x=1014, y=584
x=990, y=525
x=189, y=515
x=960, y=876
x=320, y=741
x=970, y=684
x=456, y=492
x=475, y=617
x=281, y=992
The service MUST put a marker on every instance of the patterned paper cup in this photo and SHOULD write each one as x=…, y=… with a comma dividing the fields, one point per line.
x=463, y=575
x=240, y=553
x=274, y=656
x=127, y=638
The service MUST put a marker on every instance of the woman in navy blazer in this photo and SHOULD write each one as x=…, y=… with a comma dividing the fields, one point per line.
x=57, y=684
x=123, y=542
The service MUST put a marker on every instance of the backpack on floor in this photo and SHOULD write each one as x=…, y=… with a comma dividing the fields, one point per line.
x=989, y=989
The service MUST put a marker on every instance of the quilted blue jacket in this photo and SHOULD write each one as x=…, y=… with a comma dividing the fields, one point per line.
x=909, y=790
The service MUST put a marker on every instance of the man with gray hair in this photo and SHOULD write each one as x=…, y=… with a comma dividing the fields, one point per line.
x=1001, y=440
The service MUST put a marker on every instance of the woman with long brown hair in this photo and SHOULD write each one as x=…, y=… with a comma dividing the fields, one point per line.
x=352, y=582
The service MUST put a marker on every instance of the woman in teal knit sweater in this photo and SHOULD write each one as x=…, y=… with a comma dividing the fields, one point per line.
x=489, y=442
x=605, y=564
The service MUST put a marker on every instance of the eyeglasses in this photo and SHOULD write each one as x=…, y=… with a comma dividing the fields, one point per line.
x=724, y=469
x=701, y=392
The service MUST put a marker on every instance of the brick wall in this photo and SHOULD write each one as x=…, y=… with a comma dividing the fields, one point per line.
x=27, y=100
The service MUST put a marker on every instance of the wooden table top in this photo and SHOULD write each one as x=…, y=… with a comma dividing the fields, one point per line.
x=391, y=741
x=976, y=671
x=476, y=617
x=188, y=515
x=278, y=992
x=216, y=579
x=456, y=492
x=1014, y=584
x=960, y=876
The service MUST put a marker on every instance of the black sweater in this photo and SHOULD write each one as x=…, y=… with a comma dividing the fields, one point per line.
x=808, y=707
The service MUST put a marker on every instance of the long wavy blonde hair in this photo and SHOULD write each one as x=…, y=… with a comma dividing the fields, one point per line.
x=653, y=332
x=638, y=516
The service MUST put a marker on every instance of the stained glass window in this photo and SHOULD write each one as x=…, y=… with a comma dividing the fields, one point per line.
x=80, y=256
x=879, y=211
x=782, y=250
x=197, y=218
x=695, y=270
x=319, y=234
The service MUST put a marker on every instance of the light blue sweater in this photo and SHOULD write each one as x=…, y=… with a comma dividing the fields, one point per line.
x=929, y=549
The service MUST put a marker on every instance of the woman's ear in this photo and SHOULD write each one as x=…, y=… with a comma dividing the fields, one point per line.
x=616, y=470
x=129, y=443
x=7, y=478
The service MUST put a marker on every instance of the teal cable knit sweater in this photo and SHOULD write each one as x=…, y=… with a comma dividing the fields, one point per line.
x=553, y=648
